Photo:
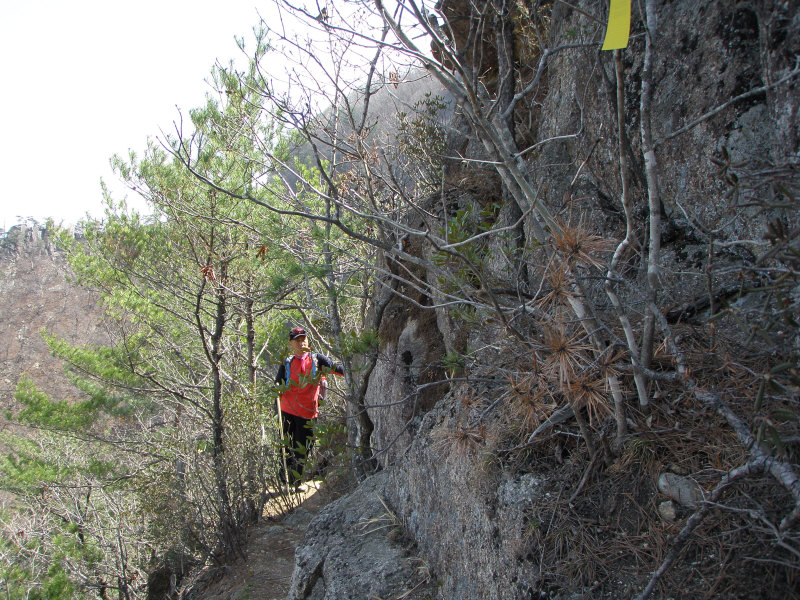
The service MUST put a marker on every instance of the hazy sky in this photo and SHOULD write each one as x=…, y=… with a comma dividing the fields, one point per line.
x=86, y=79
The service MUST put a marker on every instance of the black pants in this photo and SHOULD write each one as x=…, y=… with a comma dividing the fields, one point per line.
x=298, y=432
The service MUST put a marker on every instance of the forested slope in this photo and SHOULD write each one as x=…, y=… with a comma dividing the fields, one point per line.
x=37, y=292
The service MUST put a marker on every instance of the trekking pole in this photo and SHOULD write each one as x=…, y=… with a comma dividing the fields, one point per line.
x=285, y=471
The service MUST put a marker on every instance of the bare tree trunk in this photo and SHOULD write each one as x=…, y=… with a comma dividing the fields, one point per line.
x=651, y=174
x=506, y=75
x=506, y=86
x=630, y=337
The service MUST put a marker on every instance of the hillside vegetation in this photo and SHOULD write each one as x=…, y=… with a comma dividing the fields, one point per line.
x=563, y=284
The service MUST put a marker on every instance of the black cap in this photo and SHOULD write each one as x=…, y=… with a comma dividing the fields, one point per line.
x=296, y=333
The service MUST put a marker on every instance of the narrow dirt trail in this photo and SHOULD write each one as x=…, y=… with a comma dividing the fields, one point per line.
x=267, y=571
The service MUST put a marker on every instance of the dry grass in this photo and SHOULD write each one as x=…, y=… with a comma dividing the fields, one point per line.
x=591, y=392
x=578, y=246
x=470, y=399
x=459, y=442
x=386, y=520
x=531, y=401
x=558, y=289
x=566, y=352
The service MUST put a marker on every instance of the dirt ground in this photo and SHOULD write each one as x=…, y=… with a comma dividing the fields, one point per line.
x=267, y=571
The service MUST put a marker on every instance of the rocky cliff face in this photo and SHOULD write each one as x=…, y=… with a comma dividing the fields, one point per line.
x=496, y=517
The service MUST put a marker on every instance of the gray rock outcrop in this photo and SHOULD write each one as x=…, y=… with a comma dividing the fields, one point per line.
x=353, y=549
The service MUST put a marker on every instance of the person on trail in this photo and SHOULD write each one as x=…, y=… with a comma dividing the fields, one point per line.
x=301, y=377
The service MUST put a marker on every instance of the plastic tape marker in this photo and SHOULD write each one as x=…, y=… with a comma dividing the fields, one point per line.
x=619, y=25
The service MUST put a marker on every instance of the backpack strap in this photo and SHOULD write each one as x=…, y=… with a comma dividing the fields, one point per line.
x=288, y=364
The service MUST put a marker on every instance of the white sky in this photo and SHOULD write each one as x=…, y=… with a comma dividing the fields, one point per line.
x=87, y=79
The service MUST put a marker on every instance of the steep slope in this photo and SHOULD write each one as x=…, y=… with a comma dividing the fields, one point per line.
x=36, y=293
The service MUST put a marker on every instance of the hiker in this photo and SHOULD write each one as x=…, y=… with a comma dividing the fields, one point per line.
x=299, y=401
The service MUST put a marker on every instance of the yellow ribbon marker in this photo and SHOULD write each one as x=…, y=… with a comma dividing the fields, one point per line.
x=619, y=25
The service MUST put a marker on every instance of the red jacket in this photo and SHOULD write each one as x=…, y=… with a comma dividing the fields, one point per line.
x=301, y=398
